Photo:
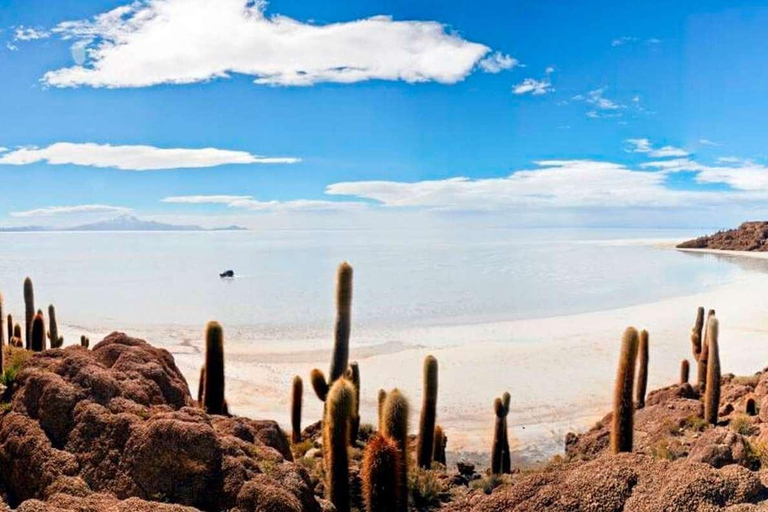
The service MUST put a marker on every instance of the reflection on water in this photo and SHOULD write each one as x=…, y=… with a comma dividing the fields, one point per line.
x=747, y=264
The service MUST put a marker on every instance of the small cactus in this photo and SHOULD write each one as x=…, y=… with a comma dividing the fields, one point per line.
x=712, y=390
x=381, y=475
x=425, y=444
x=353, y=374
x=201, y=387
x=17, y=331
x=395, y=427
x=84, y=341
x=10, y=327
x=29, y=309
x=750, y=407
x=685, y=370
x=340, y=356
x=623, y=406
x=338, y=410
x=382, y=399
x=213, y=394
x=53, y=328
x=642, y=370
x=297, y=390
x=438, y=452
x=38, y=333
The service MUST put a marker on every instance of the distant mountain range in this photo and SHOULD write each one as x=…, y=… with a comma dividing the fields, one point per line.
x=122, y=223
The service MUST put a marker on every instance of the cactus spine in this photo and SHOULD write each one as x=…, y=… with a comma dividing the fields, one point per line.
x=438, y=452
x=340, y=356
x=38, y=333
x=29, y=309
x=53, y=329
x=642, y=370
x=712, y=389
x=382, y=399
x=353, y=372
x=297, y=390
x=623, y=407
x=395, y=427
x=338, y=410
x=213, y=394
x=684, y=371
x=381, y=474
x=426, y=438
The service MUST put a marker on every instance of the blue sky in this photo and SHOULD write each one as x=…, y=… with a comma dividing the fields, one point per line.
x=302, y=114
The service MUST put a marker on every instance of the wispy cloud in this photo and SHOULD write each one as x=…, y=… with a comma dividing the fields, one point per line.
x=742, y=175
x=625, y=40
x=707, y=142
x=154, y=42
x=536, y=87
x=23, y=33
x=134, y=158
x=645, y=146
x=52, y=211
x=249, y=203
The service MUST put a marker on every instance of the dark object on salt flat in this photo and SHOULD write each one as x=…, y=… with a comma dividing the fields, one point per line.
x=227, y=273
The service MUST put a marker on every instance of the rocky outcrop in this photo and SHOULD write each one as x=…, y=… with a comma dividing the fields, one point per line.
x=750, y=236
x=115, y=428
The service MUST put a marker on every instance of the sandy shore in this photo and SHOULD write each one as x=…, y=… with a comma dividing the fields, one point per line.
x=558, y=370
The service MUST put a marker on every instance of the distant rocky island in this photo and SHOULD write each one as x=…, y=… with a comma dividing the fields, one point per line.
x=122, y=223
x=750, y=236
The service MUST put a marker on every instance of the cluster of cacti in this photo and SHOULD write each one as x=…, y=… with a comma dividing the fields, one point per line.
x=339, y=406
x=297, y=392
x=623, y=406
x=340, y=357
x=441, y=441
x=84, y=341
x=501, y=461
x=425, y=445
x=642, y=370
x=53, y=329
x=712, y=389
x=29, y=310
x=212, y=398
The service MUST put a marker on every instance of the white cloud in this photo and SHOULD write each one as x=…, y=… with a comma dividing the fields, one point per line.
x=11, y=47
x=707, y=142
x=249, y=203
x=23, y=33
x=744, y=175
x=621, y=41
x=595, y=97
x=68, y=210
x=134, y=158
x=729, y=159
x=555, y=184
x=533, y=86
x=152, y=42
x=645, y=146
x=497, y=62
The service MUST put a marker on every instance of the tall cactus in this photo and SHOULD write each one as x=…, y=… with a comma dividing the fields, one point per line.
x=353, y=373
x=53, y=329
x=623, y=406
x=381, y=475
x=2, y=327
x=712, y=390
x=428, y=411
x=10, y=328
x=703, y=357
x=29, y=309
x=500, y=448
x=340, y=356
x=381, y=400
x=506, y=458
x=297, y=391
x=38, y=333
x=685, y=370
x=338, y=409
x=395, y=427
x=213, y=396
x=642, y=370
x=438, y=452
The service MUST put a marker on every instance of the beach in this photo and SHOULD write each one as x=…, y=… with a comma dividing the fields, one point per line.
x=559, y=370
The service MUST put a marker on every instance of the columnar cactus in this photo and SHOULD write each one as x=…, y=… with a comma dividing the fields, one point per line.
x=506, y=457
x=17, y=331
x=623, y=406
x=382, y=399
x=340, y=356
x=425, y=444
x=395, y=427
x=684, y=371
x=642, y=370
x=703, y=357
x=297, y=391
x=213, y=395
x=339, y=405
x=750, y=407
x=38, y=333
x=438, y=452
x=500, y=439
x=353, y=373
x=10, y=327
x=380, y=474
x=712, y=390
x=29, y=309
x=201, y=387
x=84, y=341
x=2, y=330
x=53, y=329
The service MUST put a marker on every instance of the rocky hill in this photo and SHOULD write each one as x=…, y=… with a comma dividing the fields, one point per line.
x=750, y=236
